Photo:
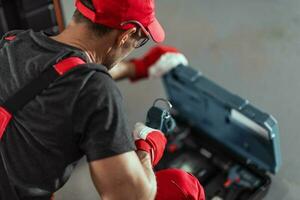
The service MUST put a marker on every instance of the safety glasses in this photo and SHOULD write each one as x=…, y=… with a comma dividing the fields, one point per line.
x=142, y=40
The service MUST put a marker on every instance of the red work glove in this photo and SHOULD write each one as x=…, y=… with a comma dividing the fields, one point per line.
x=178, y=185
x=157, y=62
x=150, y=140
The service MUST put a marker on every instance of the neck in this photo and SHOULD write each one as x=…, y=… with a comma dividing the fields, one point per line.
x=79, y=36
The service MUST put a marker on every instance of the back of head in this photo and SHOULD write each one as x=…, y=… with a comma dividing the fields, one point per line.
x=98, y=29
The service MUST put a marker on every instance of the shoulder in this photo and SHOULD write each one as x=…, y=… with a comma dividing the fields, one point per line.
x=99, y=84
x=101, y=81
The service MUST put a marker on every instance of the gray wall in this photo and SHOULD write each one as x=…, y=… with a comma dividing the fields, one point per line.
x=251, y=47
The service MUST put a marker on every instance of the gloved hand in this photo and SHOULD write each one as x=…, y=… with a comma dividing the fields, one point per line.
x=157, y=62
x=177, y=184
x=150, y=140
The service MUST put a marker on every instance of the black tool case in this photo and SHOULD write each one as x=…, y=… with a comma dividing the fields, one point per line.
x=228, y=144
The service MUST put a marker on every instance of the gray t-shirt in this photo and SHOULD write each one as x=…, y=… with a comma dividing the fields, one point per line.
x=80, y=114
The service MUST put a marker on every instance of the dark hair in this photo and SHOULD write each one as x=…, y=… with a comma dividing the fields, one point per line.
x=99, y=29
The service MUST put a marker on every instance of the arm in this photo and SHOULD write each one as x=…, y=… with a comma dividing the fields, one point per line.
x=130, y=175
x=123, y=70
x=108, y=144
x=124, y=177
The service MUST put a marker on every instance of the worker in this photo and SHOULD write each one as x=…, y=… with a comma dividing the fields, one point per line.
x=59, y=102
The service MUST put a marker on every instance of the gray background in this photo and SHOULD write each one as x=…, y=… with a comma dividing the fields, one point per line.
x=251, y=47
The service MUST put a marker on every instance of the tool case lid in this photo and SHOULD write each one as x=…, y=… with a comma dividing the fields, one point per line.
x=227, y=118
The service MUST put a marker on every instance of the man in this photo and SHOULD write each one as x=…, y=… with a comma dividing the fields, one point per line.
x=81, y=113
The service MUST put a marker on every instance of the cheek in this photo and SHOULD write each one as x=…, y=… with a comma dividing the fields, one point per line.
x=128, y=47
x=125, y=50
x=123, y=56
x=120, y=53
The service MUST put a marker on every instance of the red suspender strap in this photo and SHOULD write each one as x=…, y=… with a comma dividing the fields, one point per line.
x=26, y=94
x=67, y=64
x=5, y=116
x=10, y=38
x=4, y=120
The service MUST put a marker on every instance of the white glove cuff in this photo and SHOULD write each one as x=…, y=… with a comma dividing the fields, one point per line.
x=166, y=63
x=141, y=131
x=145, y=132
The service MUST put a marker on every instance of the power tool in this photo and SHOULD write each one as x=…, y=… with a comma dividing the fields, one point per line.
x=160, y=118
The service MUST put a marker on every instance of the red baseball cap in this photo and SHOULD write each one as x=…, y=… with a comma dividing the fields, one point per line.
x=119, y=13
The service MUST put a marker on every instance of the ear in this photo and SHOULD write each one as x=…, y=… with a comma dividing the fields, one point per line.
x=124, y=36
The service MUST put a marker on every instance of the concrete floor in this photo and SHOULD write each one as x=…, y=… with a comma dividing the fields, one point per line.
x=251, y=47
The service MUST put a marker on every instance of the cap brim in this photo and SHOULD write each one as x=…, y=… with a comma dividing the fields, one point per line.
x=156, y=31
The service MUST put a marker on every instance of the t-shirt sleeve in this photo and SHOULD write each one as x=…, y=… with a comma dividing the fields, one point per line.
x=101, y=120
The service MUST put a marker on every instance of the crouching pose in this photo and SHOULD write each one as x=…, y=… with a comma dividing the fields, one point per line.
x=59, y=102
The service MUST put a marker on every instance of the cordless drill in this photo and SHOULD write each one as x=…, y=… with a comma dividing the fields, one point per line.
x=160, y=118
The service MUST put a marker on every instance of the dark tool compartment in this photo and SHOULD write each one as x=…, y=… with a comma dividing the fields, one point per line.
x=217, y=131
